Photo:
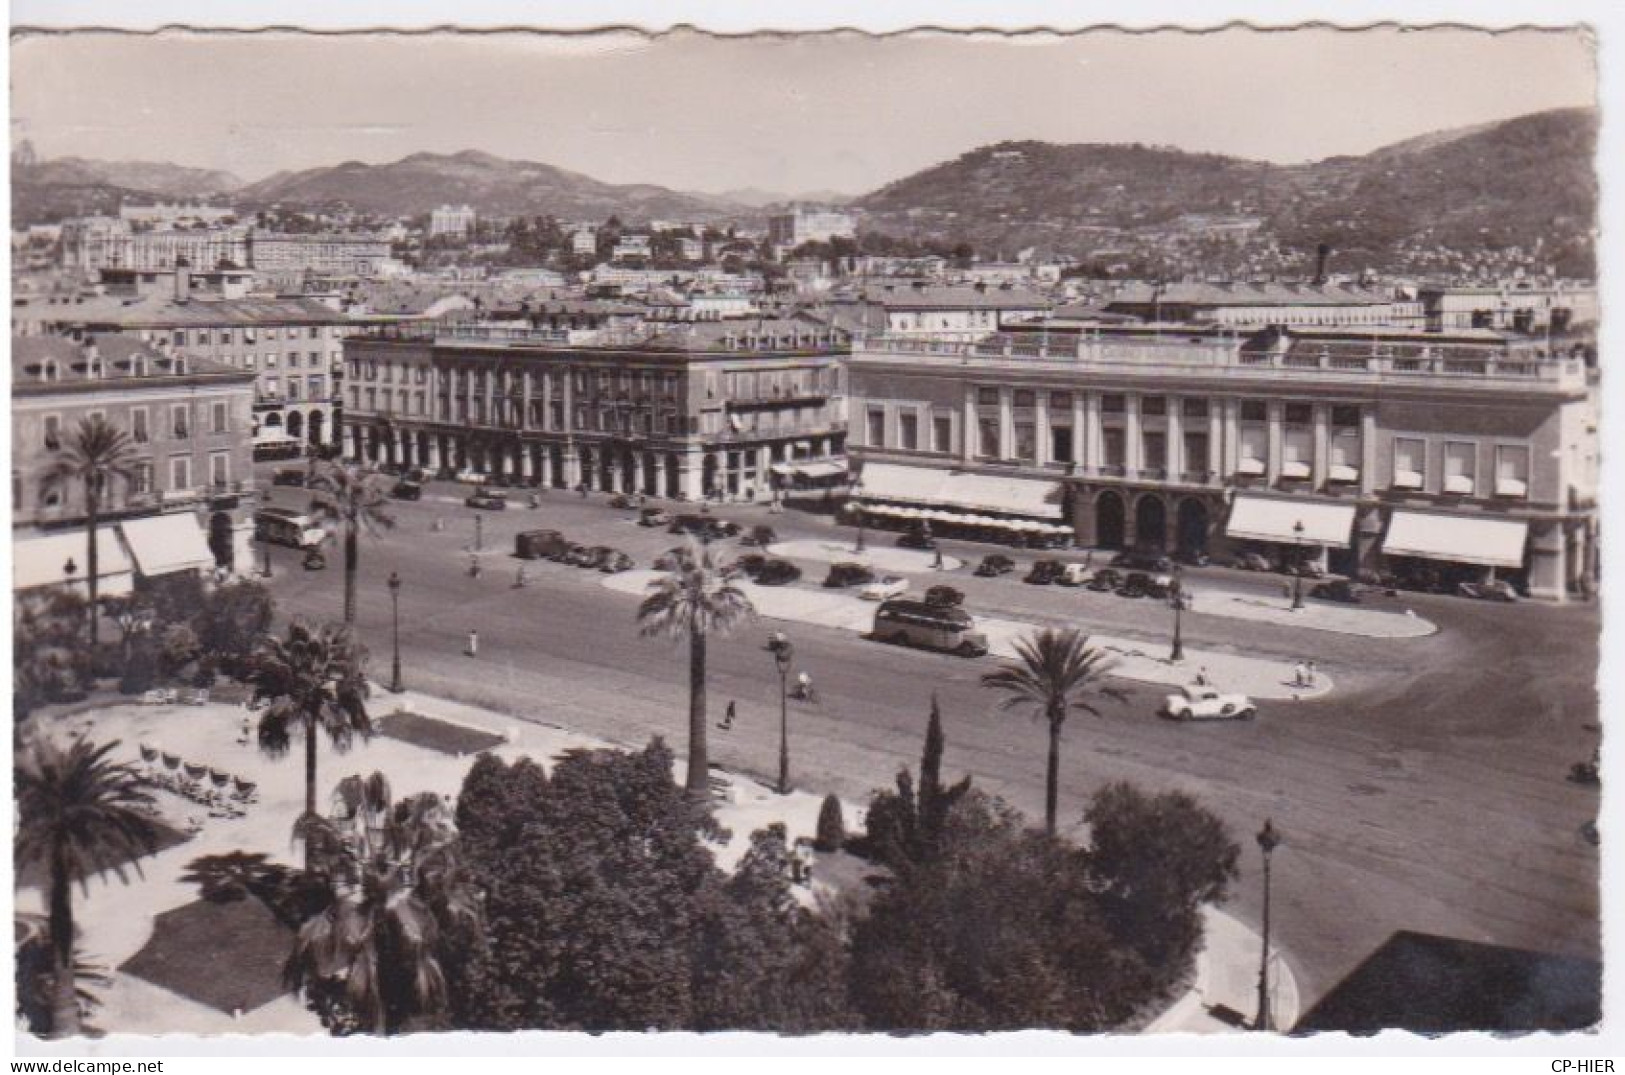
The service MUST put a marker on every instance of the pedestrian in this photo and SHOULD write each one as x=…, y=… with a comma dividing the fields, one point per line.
x=1299, y=672
x=521, y=578
x=248, y=729
x=727, y=722
x=1309, y=675
x=937, y=563
x=474, y=565
x=1201, y=677
x=473, y=649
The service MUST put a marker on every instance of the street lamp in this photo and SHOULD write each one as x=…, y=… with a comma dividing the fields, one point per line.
x=1268, y=841
x=783, y=654
x=479, y=533
x=1176, y=597
x=395, y=612
x=69, y=569
x=265, y=547
x=1297, y=565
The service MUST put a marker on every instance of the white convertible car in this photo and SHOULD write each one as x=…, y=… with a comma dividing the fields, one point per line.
x=884, y=588
x=1205, y=703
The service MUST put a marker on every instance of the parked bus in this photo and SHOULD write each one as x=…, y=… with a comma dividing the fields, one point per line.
x=915, y=623
x=285, y=526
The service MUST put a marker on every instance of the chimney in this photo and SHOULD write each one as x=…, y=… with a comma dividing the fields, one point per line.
x=1322, y=252
x=183, y=280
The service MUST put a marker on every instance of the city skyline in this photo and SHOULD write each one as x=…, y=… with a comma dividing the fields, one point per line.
x=652, y=108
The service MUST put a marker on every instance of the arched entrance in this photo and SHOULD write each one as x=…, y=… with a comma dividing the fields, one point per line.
x=220, y=540
x=314, y=427
x=1110, y=517
x=296, y=425
x=1192, y=525
x=1151, y=522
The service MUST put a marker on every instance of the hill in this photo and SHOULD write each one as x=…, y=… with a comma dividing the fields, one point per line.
x=71, y=186
x=492, y=185
x=1520, y=182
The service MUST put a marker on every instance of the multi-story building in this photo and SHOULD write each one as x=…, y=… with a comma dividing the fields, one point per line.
x=809, y=224
x=633, y=246
x=326, y=253
x=926, y=309
x=100, y=242
x=455, y=220
x=691, y=411
x=165, y=213
x=189, y=500
x=1464, y=452
x=1521, y=306
x=1244, y=305
x=291, y=346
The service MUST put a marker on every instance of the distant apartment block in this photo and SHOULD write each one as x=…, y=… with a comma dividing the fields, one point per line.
x=809, y=224
x=455, y=220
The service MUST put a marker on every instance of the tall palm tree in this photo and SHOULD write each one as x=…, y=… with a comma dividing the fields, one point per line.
x=311, y=681
x=401, y=904
x=92, y=456
x=80, y=814
x=697, y=598
x=1055, y=672
x=351, y=497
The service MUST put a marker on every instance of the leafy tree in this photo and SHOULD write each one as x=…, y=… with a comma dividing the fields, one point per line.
x=352, y=498
x=905, y=827
x=92, y=456
x=50, y=660
x=1156, y=859
x=696, y=599
x=831, y=826
x=1055, y=672
x=234, y=616
x=79, y=814
x=311, y=681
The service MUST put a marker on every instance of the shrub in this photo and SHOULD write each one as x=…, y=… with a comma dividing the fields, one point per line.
x=140, y=671
x=831, y=826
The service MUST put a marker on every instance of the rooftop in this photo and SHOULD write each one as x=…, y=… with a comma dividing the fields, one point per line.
x=939, y=297
x=1245, y=294
x=163, y=312
x=38, y=361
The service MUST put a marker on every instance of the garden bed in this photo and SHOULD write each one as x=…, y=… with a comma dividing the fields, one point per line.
x=431, y=734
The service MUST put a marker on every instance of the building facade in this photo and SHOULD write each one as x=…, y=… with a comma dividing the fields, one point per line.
x=1460, y=454
x=810, y=224
x=100, y=243
x=696, y=411
x=189, y=421
x=324, y=253
x=455, y=220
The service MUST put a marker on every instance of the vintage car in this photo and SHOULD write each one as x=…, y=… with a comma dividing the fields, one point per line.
x=487, y=500
x=993, y=565
x=614, y=562
x=1339, y=590
x=848, y=574
x=654, y=517
x=759, y=537
x=776, y=573
x=944, y=597
x=1200, y=702
x=1494, y=590
x=884, y=588
x=1045, y=572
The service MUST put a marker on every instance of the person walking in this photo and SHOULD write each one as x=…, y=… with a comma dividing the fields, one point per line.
x=473, y=649
x=474, y=565
x=1309, y=675
x=1201, y=677
x=1299, y=673
x=521, y=578
x=727, y=721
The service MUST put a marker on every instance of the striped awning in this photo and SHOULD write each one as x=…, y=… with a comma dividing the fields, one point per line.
x=1259, y=518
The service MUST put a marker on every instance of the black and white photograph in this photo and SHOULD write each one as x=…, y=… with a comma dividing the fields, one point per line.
x=818, y=534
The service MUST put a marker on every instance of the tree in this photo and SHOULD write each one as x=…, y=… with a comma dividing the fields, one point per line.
x=93, y=456
x=696, y=599
x=904, y=827
x=1156, y=859
x=1056, y=671
x=831, y=826
x=311, y=681
x=233, y=617
x=49, y=656
x=401, y=904
x=351, y=497
x=79, y=814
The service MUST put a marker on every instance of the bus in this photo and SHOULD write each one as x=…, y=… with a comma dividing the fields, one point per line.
x=285, y=526
x=915, y=623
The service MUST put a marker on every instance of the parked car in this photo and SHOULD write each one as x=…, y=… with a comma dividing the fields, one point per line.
x=579, y=556
x=1143, y=560
x=916, y=539
x=1076, y=575
x=703, y=526
x=759, y=537
x=1251, y=561
x=994, y=565
x=1141, y=584
x=472, y=477
x=625, y=500
x=1044, y=572
x=314, y=560
x=1494, y=590
x=1192, y=558
x=597, y=555
x=944, y=597
x=615, y=562
x=539, y=544
x=1309, y=569
x=654, y=517
x=488, y=500
x=884, y=588
x=407, y=490
x=848, y=574
x=1048, y=541
x=750, y=563
x=667, y=561
x=1339, y=590
x=1195, y=702
x=777, y=573
x=289, y=476
x=1106, y=580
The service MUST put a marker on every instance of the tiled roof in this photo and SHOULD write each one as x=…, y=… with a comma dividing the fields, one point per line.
x=30, y=354
x=157, y=312
x=1243, y=294
x=955, y=298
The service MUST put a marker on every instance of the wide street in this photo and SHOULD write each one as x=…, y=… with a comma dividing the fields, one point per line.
x=1427, y=792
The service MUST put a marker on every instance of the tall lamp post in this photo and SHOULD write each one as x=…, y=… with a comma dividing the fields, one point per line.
x=395, y=614
x=1176, y=598
x=1268, y=841
x=857, y=506
x=479, y=533
x=783, y=654
x=1297, y=565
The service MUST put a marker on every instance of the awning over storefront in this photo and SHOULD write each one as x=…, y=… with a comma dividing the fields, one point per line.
x=972, y=492
x=40, y=561
x=820, y=471
x=1458, y=538
x=1258, y=518
x=164, y=544
x=889, y=481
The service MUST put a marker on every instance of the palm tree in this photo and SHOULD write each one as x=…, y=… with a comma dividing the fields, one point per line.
x=351, y=497
x=80, y=814
x=697, y=598
x=92, y=456
x=1056, y=671
x=401, y=904
x=313, y=681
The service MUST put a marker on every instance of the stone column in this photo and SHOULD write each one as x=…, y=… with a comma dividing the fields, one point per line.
x=1214, y=463
x=1079, y=439
x=524, y=398
x=572, y=466
x=1232, y=437
x=1006, y=424
x=1368, y=450
x=1092, y=438
x=1133, y=454
x=1175, y=425
x=1273, y=466
x=1041, y=427
x=691, y=474
x=1320, y=471
x=970, y=429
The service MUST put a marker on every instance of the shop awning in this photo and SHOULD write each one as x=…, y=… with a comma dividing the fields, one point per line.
x=164, y=544
x=820, y=470
x=970, y=492
x=889, y=481
x=39, y=561
x=1457, y=538
x=1258, y=518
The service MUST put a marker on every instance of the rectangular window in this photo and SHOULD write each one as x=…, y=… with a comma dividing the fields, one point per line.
x=876, y=429
x=293, y=388
x=987, y=437
x=1060, y=401
x=1512, y=470
x=1345, y=416
x=1254, y=410
x=139, y=431
x=270, y=360
x=1297, y=452
x=180, y=472
x=1153, y=406
x=219, y=468
x=178, y=427
x=1196, y=453
x=317, y=385
x=1060, y=443
x=1026, y=441
x=1113, y=445
x=1410, y=462
x=1023, y=397
x=1112, y=404
x=1460, y=467
x=908, y=431
x=942, y=434
x=218, y=418
x=1299, y=414
x=1254, y=451
x=1154, y=450
x=142, y=482
x=987, y=397
x=1194, y=408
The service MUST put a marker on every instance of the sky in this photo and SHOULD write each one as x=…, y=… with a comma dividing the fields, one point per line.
x=789, y=114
